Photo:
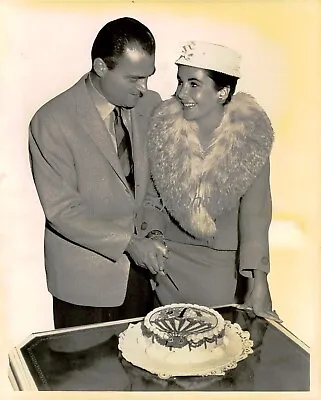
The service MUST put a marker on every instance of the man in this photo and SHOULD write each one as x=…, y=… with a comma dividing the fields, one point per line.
x=87, y=153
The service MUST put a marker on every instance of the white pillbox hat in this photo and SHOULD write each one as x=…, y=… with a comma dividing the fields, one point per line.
x=210, y=56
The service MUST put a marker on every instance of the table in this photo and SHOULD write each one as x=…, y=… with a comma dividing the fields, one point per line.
x=87, y=358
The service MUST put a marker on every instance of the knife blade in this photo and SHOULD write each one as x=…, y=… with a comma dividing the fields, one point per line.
x=171, y=280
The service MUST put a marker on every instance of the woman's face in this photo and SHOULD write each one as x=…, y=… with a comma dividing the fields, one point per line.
x=196, y=92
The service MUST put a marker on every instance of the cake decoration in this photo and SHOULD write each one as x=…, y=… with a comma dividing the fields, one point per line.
x=179, y=325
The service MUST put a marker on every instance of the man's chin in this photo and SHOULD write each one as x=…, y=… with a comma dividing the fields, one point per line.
x=132, y=104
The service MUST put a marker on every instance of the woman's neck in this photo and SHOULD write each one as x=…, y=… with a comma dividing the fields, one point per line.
x=207, y=126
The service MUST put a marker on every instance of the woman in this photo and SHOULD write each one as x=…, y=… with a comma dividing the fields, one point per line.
x=210, y=196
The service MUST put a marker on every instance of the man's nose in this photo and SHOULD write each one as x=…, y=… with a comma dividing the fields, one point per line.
x=142, y=85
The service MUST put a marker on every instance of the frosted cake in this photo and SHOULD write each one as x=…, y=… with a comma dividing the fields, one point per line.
x=183, y=334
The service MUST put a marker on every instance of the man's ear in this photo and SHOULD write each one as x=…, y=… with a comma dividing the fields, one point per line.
x=99, y=66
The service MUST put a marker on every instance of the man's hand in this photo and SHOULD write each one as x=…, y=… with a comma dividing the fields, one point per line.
x=259, y=299
x=148, y=253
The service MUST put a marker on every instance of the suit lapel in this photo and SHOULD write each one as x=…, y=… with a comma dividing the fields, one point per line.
x=95, y=127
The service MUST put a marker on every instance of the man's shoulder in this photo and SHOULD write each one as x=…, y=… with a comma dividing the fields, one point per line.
x=62, y=102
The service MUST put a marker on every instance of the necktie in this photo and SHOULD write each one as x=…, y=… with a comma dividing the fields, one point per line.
x=124, y=148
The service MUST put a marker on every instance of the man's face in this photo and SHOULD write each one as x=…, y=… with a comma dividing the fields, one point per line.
x=126, y=83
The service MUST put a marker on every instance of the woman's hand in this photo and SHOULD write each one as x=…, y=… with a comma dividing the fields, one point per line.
x=259, y=300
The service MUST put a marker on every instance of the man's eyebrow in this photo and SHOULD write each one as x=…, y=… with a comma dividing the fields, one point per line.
x=141, y=77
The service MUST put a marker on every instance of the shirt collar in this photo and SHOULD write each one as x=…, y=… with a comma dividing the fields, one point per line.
x=103, y=106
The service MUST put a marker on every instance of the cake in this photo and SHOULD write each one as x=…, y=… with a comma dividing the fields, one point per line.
x=184, y=340
x=183, y=334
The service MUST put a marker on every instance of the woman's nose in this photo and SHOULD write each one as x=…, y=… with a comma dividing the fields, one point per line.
x=181, y=93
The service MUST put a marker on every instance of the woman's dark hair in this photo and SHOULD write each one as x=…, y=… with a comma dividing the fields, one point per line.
x=221, y=80
x=112, y=39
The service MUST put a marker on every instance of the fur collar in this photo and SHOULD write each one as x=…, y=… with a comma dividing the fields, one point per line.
x=196, y=186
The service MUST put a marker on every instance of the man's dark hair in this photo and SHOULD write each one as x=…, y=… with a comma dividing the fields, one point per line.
x=222, y=80
x=113, y=38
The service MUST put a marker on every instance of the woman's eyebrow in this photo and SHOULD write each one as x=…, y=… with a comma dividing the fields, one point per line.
x=189, y=79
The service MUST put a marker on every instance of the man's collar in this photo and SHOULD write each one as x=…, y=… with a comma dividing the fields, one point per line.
x=103, y=106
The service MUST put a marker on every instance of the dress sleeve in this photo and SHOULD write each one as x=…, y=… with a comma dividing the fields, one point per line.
x=254, y=221
x=154, y=213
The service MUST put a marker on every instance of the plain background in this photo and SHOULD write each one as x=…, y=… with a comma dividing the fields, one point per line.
x=45, y=48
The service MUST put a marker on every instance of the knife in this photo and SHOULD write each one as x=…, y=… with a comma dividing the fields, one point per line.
x=152, y=277
x=171, y=280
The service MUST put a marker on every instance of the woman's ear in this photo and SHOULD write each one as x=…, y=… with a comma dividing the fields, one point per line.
x=223, y=93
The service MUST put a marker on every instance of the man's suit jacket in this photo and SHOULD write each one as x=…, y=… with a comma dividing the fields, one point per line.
x=90, y=211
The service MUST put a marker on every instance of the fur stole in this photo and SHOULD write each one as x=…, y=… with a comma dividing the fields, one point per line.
x=197, y=186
